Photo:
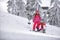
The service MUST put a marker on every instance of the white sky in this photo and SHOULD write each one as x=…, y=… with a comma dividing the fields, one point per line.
x=3, y=4
x=45, y=2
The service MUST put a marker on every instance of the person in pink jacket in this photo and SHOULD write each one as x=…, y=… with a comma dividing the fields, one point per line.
x=36, y=20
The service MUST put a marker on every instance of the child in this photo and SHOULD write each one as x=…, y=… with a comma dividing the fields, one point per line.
x=42, y=26
x=36, y=20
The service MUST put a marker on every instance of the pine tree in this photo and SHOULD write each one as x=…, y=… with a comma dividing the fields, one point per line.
x=54, y=13
x=9, y=6
x=20, y=6
x=16, y=7
x=31, y=7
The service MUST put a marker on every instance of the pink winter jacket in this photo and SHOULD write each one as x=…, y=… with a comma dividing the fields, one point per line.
x=37, y=18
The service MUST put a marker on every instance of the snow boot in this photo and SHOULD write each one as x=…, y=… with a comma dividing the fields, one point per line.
x=44, y=31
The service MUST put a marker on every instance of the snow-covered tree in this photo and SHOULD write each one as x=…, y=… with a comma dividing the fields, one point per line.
x=12, y=7
x=31, y=6
x=16, y=7
x=54, y=16
x=55, y=2
x=20, y=6
x=9, y=6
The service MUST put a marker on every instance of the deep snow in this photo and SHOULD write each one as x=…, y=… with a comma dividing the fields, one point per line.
x=15, y=27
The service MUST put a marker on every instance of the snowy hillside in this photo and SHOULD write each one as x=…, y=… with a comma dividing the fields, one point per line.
x=13, y=27
x=16, y=28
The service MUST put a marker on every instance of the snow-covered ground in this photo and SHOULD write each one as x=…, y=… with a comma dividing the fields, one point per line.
x=16, y=28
